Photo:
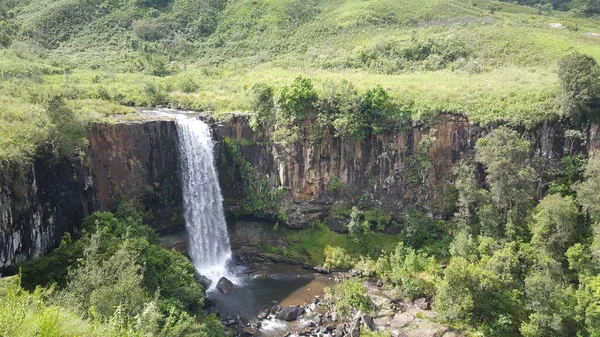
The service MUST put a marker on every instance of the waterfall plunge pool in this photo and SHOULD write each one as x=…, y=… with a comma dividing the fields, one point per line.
x=262, y=286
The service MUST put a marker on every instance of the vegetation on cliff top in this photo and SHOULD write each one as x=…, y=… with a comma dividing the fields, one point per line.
x=430, y=56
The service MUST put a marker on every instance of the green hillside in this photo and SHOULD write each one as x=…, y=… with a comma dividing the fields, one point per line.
x=431, y=56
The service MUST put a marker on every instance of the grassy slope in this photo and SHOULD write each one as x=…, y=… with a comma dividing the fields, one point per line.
x=510, y=75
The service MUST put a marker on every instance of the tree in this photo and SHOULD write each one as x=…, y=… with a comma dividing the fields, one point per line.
x=297, y=100
x=359, y=229
x=494, y=6
x=261, y=103
x=555, y=225
x=510, y=176
x=105, y=285
x=580, y=82
x=588, y=191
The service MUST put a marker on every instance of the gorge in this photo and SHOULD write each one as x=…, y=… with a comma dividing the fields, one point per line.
x=140, y=160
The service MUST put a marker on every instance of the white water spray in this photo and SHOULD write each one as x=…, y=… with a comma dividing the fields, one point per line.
x=209, y=246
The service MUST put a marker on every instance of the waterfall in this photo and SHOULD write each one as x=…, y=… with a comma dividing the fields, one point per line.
x=209, y=246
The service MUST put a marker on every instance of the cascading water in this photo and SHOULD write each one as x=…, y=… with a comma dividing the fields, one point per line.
x=209, y=246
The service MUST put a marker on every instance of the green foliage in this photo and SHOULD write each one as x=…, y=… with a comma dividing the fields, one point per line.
x=187, y=85
x=349, y=295
x=568, y=173
x=261, y=102
x=556, y=224
x=119, y=264
x=259, y=197
x=418, y=230
x=587, y=191
x=510, y=176
x=52, y=268
x=336, y=257
x=494, y=6
x=297, y=100
x=67, y=133
x=580, y=82
x=408, y=269
x=379, y=217
x=335, y=185
x=391, y=56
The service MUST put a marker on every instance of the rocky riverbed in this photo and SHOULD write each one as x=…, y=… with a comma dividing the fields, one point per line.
x=307, y=311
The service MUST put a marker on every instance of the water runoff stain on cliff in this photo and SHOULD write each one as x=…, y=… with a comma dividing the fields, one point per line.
x=209, y=246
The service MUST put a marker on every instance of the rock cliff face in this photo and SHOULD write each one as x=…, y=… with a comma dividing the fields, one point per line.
x=140, y=160
x=390, y=171
x=38, y=206
x=136, y=160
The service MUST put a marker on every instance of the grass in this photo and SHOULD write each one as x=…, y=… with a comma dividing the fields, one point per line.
x=309, y=245
x=509, y=75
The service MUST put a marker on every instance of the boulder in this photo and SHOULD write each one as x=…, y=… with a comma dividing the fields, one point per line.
x=339, y=330
x=396, y=333
x=355, y=329
x=334, y=316
x=368, y=322
x=422, y=303
x=263, y=314
x=203, y=280
x=379, y=283
x=249, y=332
x=318, y=319
x=225, y=286
x=309, y=324
x=289, y=313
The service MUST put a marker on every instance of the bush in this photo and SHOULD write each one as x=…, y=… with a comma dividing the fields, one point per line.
x=336, y=257
x=350, y=295
x=186, y=84
x=297, y=100
x=262, y=104
x=405, y=269
x=580, y=82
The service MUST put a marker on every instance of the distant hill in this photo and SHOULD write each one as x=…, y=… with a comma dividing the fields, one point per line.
x=492, y=61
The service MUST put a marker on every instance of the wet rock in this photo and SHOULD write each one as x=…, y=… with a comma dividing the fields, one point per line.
x=368, y=322
x=274, y=309
x=248, y=332
x=203, y=280
x=230, y=322
x=225, y=286
x=309, y=324
x=243, y=321
x=289, y=313
x=422, y=303
x=263, y=314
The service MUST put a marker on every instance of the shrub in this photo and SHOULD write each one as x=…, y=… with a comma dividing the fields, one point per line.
x=350, y=295
x=336, y=257
x=580, y=82
x=158, y=66
x=297, y=100
x=336, y=185
x=186, y=84
x=405, y=268
x=262, y=104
